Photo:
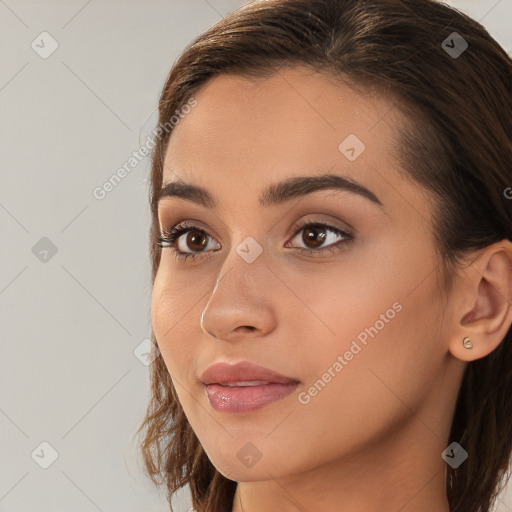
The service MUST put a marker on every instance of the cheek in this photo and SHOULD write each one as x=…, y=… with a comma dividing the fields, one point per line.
x=375, y=311
x=171, y=317
x=337, y=306
x=364, y=394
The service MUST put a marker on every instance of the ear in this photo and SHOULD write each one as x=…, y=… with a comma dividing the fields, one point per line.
x=483, y=307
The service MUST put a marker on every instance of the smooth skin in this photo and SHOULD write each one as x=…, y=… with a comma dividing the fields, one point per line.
x=372, y=438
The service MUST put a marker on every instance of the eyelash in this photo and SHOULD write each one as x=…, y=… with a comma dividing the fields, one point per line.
x=168, y=239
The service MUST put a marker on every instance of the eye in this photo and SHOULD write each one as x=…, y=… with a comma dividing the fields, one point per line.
x=186, y=241
x=318, y=237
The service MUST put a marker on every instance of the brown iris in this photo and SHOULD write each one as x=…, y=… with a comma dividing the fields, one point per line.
x=196, y=240
x=314, y=235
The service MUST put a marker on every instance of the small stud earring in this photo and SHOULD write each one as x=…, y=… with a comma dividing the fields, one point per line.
x=467, y=342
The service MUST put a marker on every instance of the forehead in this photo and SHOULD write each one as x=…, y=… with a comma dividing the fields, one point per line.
x=296, y=122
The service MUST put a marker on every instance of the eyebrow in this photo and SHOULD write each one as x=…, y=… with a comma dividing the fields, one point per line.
x=274, y=194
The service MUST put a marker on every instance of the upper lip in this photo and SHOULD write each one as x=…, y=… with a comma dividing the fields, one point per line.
x=225, y=373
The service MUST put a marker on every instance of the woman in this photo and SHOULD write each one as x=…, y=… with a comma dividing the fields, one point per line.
x=332, y=262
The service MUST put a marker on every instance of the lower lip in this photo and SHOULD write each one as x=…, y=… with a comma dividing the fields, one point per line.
x=241, y=399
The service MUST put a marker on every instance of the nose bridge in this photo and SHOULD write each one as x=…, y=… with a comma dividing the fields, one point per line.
x=239, y=297
x=244, y=266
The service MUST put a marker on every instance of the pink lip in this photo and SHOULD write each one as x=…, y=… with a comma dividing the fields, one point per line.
x=241, y=399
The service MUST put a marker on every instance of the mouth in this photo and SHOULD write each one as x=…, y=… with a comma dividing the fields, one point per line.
x=247, y=383
x=244, y=387
x=245, y=397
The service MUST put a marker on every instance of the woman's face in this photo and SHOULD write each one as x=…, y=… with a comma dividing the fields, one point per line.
x=349, y=308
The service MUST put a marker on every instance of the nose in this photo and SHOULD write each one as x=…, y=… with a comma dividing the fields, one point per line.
x=240, y=304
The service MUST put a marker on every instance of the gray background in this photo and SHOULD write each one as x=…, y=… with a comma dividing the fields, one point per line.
x=72, y=319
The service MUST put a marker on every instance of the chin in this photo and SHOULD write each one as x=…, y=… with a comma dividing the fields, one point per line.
x=240, y=473
x=246, y=461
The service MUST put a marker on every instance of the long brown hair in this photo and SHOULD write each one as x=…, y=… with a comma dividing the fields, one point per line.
x=457, y=145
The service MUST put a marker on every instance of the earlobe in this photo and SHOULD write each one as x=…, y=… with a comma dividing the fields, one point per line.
x=468, y=350
x=487, y=287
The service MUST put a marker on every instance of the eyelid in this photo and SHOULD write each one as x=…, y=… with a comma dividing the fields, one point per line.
x=323, y=220
x=302, y=224
x=186, y=222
